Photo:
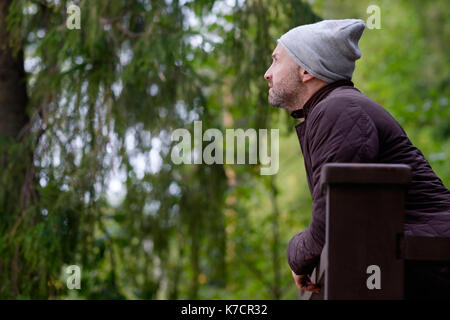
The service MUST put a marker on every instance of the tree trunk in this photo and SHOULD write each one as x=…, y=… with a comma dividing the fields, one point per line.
x=15, y=173
x=13, y=92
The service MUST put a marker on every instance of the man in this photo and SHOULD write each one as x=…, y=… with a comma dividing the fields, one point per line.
x=310, y=77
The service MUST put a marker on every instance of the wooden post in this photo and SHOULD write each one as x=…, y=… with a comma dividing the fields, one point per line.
x=365, y=214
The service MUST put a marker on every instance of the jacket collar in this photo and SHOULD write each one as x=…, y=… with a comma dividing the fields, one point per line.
x=317, y=97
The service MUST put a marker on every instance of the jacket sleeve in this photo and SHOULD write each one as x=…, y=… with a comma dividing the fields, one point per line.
x=338, y=131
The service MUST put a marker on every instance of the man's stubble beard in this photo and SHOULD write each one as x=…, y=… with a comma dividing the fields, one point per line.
x=288, y=93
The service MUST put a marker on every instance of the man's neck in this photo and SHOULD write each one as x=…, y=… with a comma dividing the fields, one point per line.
x=306, y=95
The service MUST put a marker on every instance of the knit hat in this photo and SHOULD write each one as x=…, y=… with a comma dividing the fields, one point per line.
x=327, y=49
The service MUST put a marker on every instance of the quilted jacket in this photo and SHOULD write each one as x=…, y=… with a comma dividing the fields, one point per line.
x=343, y=125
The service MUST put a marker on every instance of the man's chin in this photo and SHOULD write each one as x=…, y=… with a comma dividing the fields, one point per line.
x=276, y=104
x=273, y=101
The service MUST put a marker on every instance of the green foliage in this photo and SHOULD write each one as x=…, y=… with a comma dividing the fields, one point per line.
x=111, y=93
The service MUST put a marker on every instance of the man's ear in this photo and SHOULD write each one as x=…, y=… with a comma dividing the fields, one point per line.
x=305, y=76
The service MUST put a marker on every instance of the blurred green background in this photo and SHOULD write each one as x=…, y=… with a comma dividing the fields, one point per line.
x=86, y=175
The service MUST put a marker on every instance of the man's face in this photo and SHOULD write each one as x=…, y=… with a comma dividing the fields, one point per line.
x=284, y=80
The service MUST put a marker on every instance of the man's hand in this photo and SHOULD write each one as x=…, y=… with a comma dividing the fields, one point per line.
x=304, y=282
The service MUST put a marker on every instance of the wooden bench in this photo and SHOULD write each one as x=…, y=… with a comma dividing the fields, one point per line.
x=364, y=231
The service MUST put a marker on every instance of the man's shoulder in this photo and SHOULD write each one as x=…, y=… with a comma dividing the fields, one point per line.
x=343, y=109
x=340, y=100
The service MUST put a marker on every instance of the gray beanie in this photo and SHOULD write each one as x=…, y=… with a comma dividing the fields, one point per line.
x=327, y=49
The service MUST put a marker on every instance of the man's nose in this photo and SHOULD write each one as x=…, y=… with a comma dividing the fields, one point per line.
x=268, y=75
